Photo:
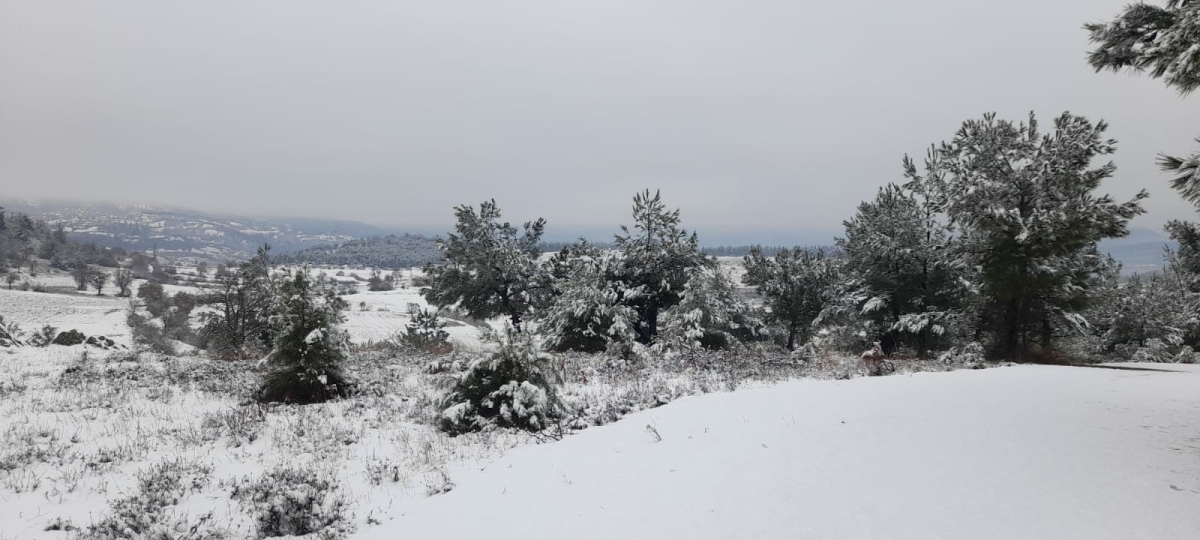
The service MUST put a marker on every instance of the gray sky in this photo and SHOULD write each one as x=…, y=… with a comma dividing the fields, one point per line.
x=751, y=116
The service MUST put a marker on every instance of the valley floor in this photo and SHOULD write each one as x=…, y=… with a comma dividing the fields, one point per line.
x=1016, y=452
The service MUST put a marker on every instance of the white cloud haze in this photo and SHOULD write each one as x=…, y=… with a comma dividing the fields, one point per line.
x=751, y=116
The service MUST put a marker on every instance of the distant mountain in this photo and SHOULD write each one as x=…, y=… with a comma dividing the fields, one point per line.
x=187, y=234
x=391, y=251
x=1140, y=252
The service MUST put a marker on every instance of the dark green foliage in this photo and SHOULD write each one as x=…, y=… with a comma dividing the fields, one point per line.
x=586, y=312
x=426, y=332
x=309, y=348
x=23, y=240
x=1023, y=206
x=1187, y=174
x=68, y=338
x=378, y=282
x=711, y=315
x=392, y=251
x=903, y=274
x=490, y=268
x=1153, y=40
x=244, y=299
x=658, y=259
x=795, y=285
x=512, y=388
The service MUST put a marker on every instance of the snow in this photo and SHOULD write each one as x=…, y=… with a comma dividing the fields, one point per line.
x=1018, y=452
x=93, y=315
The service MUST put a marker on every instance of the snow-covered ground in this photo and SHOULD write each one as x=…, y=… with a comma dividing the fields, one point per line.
x=386, y=313
x=1018, y=452
x=1015, y=452
x=93, y=315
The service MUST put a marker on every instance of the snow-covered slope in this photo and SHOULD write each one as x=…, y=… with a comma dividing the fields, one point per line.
x=187, y=234
x=1019, y=452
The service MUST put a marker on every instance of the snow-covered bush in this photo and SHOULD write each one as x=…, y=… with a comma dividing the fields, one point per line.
x=309, y=347
x=146, y=514
x=44, y=336
x=969, y=355
x=513, y=387
x=295, y=502
x=10, y=333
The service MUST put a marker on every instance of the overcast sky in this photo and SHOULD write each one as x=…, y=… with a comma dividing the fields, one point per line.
x=752, y=116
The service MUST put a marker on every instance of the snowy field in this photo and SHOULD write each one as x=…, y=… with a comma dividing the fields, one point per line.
x=371, y=318
x=1009, y=452
x=93, y=315
x=1017, y=452
x=90, y=438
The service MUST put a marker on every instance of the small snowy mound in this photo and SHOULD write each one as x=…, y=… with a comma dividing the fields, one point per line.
x=1018, y=452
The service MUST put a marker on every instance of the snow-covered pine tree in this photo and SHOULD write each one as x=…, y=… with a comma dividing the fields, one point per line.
x=658, y=259
x=1023, y=205
x=1145, y=38
x=902, y=272
x=490, y=268
x=796, y=286
x=513, y=387
x=1147, y=317
x=309, y=348
x=588, y=312
x=1164, y=42
x=710, y=315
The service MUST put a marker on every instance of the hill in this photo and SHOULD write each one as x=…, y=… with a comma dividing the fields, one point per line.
x=186, y=234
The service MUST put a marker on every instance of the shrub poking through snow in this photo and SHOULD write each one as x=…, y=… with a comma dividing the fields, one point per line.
x=10, y=334
x=514, y=387
x=146, y=513
x=295, y=502
x=426, y=333
x=309, y=347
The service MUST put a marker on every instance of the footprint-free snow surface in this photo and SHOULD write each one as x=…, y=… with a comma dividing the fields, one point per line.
x=1016, y=452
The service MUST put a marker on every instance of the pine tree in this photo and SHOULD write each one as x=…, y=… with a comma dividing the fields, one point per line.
x=588, y=312
x=309, y=347
x=903, y=274
x=1023, y=205
x=1160, y=41
x=490, y=269
x=1164, y=42
x=710, y=315
x=426, y=332
x=513, y=387
x=795, y=285
x=658, y=259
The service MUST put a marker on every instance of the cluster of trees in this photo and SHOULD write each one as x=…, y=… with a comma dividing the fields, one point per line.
x=26, y=242
x=994, y=240
x=1154, y=317
x=391, y=251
